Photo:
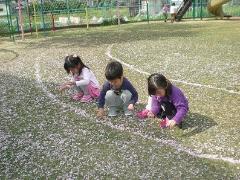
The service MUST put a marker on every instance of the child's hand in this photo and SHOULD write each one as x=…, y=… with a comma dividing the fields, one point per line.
x=150, y=115
x=64, y=87
x=100, y=113
x=171, y=124
x=130, y=107
x=66, y=83
x=71, y=83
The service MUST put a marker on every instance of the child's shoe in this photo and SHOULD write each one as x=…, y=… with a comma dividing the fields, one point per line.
x=112, y=112
x=163, y=123
x=143, y=114
x=77, y=96
x=86, y=99
x=127, y=112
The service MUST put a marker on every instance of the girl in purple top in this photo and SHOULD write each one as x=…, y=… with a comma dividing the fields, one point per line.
x=165, y=101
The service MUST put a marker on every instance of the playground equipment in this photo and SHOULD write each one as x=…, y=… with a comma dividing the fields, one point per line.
x=184, y=6
x=24, y=16
x=215, y=7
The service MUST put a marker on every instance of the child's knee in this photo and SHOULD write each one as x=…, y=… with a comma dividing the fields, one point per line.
x=126, y=96
x=109, y=94
x=110, y=97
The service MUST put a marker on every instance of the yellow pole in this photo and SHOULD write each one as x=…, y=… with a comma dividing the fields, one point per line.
x=35, y=18
x=87, y=17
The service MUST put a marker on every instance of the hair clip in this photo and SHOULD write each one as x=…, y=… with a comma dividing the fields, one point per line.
x=67, y=58
x=75, y=55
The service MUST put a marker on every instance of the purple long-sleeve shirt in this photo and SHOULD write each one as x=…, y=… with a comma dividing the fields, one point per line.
x=126, y=85
x=177, y=98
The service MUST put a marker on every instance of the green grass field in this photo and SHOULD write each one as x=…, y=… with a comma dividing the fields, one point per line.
x=43, y=134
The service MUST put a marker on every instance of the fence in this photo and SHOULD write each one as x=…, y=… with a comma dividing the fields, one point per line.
x=41, y=15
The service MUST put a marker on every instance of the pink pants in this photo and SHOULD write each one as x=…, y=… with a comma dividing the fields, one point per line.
x=93, y=91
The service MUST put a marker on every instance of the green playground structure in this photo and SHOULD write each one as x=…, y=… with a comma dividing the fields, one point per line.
x=21, y=16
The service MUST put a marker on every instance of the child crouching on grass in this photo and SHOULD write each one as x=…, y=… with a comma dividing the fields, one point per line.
x=83, y=80
x=117, y=92
x=166, y=101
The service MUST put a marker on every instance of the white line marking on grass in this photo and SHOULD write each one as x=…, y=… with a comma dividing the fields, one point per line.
x=122, y=128
x=54, y=97
x=108, y=53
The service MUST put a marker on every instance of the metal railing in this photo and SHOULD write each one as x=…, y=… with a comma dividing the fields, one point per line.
x=39, y=15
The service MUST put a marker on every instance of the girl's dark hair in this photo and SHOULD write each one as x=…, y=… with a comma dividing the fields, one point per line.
x=156, y=81
x=72, y=61
x=114, y=70
x=173, y=4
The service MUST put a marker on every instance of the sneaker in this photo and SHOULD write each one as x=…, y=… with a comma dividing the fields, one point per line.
x=86, y=99
x=77, y=96
x=112, y=112
x=143, y=114
x=163, y=123
x=127, y=112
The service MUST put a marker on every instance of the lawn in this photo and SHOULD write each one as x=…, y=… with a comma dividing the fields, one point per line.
x=46, y=135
